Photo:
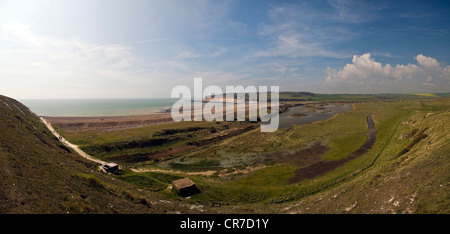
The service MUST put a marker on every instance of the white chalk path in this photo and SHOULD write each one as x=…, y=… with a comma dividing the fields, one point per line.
x=74, y=147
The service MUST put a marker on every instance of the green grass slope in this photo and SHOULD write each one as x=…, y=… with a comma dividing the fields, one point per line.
x=406, y=171
x=38, y=174
x=410, y=175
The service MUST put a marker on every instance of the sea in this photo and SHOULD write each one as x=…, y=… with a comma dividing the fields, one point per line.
x=97, y=107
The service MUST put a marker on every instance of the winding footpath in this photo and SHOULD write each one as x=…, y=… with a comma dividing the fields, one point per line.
x=74, y=147
x=98, y=161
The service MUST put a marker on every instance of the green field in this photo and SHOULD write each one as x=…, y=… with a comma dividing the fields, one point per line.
x=403, y=127
x=133, y=146
x=306, y=96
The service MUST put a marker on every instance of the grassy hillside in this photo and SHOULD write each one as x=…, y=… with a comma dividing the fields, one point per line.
x=405, y=171
x=410, y=175
x=255, y=172
x=40, y=175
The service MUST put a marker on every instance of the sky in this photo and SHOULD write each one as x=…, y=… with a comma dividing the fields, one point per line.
x=143, y=49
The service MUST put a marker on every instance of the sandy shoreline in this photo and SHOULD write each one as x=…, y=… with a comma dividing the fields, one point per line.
x=111, y=123
x=108, y=123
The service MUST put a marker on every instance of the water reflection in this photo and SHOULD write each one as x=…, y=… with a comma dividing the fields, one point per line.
x=308, y=113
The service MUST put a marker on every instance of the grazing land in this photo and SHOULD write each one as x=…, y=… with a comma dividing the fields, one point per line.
x=392, y=143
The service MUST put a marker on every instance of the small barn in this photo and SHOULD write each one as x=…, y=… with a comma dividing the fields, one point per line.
x=185, y=187
x=110, y=167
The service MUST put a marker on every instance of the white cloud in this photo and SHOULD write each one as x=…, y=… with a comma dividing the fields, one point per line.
x=446, y=73
x=299, y=30
x=427, y=62
x=70, y=50
x=34, y=65
x=355, y=11
x=293, y=45
x=37, y=63
x=365, y=74
x=187, y=54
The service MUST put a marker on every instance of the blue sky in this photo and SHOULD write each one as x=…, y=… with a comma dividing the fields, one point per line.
x=139, y=49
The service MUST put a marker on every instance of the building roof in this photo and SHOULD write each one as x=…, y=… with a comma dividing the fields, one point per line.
x=182, y=183
x=111, y=164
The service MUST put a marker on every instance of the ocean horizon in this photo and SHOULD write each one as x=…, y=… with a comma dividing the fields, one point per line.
x=97, y=107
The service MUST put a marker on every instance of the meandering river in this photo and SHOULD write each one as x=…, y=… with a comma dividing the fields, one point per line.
x=322, y=167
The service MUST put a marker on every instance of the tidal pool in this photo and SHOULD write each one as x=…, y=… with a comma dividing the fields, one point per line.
x=308, y=113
